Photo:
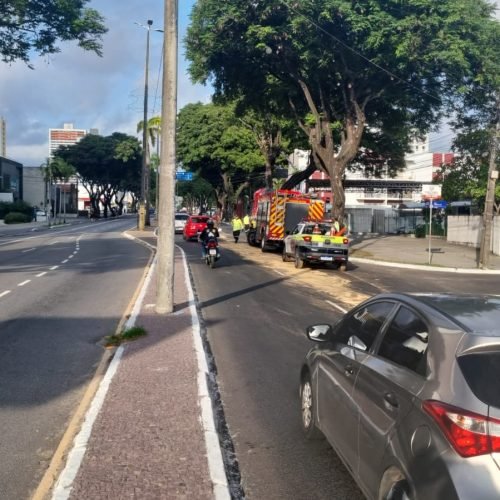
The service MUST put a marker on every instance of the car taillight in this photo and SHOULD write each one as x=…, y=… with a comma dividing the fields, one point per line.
x=469, y=433
x=345, y=241
x=307, y=238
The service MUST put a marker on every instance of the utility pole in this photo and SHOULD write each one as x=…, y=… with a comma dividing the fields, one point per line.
x=166, y=233
x=485, y=250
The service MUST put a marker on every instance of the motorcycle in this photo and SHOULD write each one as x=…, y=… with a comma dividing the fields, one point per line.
x=212, y=251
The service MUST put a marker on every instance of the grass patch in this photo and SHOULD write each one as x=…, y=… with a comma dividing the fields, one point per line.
x=126, y=336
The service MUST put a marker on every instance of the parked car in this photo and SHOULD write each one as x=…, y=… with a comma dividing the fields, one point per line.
x=405, y=389
x=194, y=225
x=180, y=221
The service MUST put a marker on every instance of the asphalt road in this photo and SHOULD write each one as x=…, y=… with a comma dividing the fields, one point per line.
x=61, y=292
x=255, y=309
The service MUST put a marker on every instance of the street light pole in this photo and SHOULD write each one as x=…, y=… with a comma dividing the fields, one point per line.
x=144, y=170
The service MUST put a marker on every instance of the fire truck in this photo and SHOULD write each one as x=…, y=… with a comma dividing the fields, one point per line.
x=275, y=213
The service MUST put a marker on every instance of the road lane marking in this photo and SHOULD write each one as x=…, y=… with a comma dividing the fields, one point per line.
x=341, y=309
x=23, y=283
x=64, y=261
x=53, y=268
x=71, y=256
x=41, y=274
x=3, y=294
x=28, y=250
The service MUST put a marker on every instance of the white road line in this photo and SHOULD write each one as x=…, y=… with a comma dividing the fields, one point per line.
x=214, y=452
x=3, y=294
x=64, y=261
x=279, y=272
x=71, y=256
x=23, y=283
x=28, y=250
x=53, y=268
x=41, y=274
x=341, y=309
x=76, y=251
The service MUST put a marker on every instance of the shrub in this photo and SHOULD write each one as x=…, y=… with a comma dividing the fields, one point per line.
x=16, y=218
x=420, y=231
x=17, y=206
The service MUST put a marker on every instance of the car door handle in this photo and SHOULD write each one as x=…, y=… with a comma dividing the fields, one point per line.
x=349, y=370
x=391, y=399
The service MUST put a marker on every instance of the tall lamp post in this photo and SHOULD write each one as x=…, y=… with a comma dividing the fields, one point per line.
x=144, y=204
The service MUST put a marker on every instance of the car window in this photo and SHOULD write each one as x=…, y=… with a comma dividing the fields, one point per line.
x=405, y=341
x=181, y=217
x=297, y=230
x=482, y=372
x=198, y=220
x=360, y=328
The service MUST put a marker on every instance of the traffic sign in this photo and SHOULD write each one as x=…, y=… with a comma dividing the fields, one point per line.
x=437, y=204
x=184, y=176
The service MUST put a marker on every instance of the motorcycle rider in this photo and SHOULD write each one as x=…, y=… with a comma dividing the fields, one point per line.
x=210, y=231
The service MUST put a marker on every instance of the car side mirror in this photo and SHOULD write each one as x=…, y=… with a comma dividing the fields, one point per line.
x=319, y=333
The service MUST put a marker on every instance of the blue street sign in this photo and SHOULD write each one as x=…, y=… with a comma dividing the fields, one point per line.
x=184, y=176
x=437, y=204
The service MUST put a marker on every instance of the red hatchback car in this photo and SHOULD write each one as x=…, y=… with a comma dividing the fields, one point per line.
x=194, y=225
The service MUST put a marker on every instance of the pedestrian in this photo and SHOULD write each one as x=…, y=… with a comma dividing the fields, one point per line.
x=246, y=223
x=237, y=225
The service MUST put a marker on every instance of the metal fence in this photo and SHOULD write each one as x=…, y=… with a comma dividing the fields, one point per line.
x=384, y=221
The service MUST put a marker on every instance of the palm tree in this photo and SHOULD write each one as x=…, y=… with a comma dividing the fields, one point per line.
x=153, y=132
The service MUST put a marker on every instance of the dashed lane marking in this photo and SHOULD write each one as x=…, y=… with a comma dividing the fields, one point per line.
x=41, y=274
x=28, y=250
x=64, y=261
x=23, y=283
x=53, y=268
x=3, y=294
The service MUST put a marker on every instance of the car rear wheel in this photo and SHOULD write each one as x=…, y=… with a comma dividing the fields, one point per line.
x=308, y=409
x=299, y=263
x=285, y=256
x=394, y=486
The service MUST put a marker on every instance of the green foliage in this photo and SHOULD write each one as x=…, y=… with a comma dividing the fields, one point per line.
x=127, y=335
x=31, y=26
x=420, y=231
x=106, y=165
x=467, y=178
x=17, y=206
x=361, y=77
x=16, y=218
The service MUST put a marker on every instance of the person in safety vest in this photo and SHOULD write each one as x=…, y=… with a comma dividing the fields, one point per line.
x=338, y=229
x=237, y=225
x=246, y=223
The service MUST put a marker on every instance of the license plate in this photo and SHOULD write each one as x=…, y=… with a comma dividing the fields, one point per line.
x=324, y=257
x=212, y=251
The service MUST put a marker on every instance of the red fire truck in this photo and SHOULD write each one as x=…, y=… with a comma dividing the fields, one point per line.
x=275, y=213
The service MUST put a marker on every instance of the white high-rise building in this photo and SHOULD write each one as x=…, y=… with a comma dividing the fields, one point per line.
x=65, y=136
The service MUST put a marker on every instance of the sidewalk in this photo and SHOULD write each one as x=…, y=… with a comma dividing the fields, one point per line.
x=153, y=434
x=149, y=432
x=409, y=252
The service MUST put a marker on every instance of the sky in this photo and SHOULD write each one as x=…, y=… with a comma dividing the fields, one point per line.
x=76, y=86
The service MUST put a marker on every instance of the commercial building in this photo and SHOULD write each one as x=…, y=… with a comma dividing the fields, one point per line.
x=11, y=179
x=364, y=188
x=66, y=136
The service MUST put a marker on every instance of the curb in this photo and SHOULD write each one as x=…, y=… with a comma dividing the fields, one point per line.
x=423, y=267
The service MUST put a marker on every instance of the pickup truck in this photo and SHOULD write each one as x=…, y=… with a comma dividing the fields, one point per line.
x=313, y=243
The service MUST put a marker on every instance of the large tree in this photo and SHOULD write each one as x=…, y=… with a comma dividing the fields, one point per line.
x=213, y=143
x=107, y=167
x=32, y=26
x=383, y=68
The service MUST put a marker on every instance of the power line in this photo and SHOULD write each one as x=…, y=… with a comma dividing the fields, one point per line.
x=359, y=54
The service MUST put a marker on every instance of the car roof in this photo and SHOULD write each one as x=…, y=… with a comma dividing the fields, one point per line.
x=476, y=314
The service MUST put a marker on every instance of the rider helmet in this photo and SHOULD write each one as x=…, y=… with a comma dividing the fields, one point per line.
x=210, y=223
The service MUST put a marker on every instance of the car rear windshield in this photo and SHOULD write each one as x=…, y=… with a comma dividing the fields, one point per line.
x=181, y=217
x=198, y=220
x=482, y=372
